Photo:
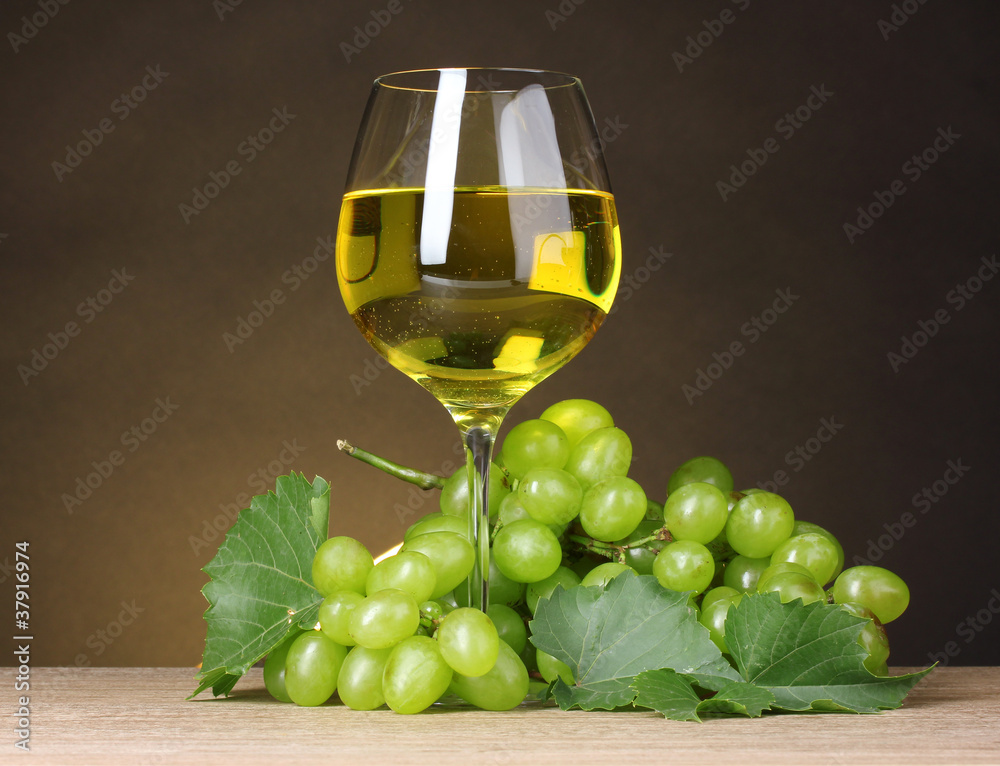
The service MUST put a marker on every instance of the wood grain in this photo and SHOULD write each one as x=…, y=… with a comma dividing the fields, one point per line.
x=140, y=716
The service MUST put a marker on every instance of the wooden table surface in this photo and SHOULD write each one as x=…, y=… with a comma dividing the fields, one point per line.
x=139, y=716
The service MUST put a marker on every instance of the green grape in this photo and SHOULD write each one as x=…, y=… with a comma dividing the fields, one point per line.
x=431, y=612
x=578, y=417
x=601, y=575
x=551, y=668
x=813, y=551
x=684, y=565
x=510, y=626
x=438, y=522
x=503, y=590
x=311, y=668
x=793, y=585
x=454, y=499
x=600, y=455
x=550, y=495
x=341, y=563
x=654, y=510
x=411, y=571
x=759, y=523
x=585, y=564
x=713, y=616
x=806, y=527
x=527, y=551
x=873, y=640
x=703, y=469
x=359, y=684
x=274, y=667
x=612, y=508
x=742, y=573
x=543, y=588
x=719, y=593
x=780, y=568
x=696, y=511
x=512, y=509
x=384, y=619
x=448, y=601
x=451, y=555
x=502, y=688
x=641, y=558
x=468, y=641
x=415, y=675
x=335, y=615
x=875, y=588
x=534, y=444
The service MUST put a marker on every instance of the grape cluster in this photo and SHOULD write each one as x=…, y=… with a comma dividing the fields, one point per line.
x=402, y=632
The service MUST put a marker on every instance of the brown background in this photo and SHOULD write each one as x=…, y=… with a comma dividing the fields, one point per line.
x=135, y=539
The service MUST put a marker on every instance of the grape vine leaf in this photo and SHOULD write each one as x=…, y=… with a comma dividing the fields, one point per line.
x=261, y=579
x=808, y=657
x=609, y=636
x=667, y=692
x=738, y=699
x=673, y=695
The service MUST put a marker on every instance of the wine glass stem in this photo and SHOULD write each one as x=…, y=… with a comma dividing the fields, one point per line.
x=479, y=454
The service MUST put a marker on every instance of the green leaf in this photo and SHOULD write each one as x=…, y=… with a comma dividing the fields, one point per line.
x=609, y=636
x=673, y=695
x=808, y=657
x=738, y=699
x=261, y=579
x=668, y=693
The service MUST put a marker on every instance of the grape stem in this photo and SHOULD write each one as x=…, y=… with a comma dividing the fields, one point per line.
x=411, y=475
x=720, y=551
x=610, y=549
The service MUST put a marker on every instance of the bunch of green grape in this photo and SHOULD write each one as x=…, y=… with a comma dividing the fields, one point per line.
x=565, y=513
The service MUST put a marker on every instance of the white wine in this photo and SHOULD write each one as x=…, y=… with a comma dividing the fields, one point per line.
x=478, y=294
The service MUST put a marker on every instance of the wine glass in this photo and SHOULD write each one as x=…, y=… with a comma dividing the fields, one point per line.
x=478, y=247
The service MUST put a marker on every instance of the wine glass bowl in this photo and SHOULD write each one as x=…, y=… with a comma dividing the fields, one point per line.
x=478, y=247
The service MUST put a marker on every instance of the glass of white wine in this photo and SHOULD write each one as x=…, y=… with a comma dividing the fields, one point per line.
x=478, y=247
